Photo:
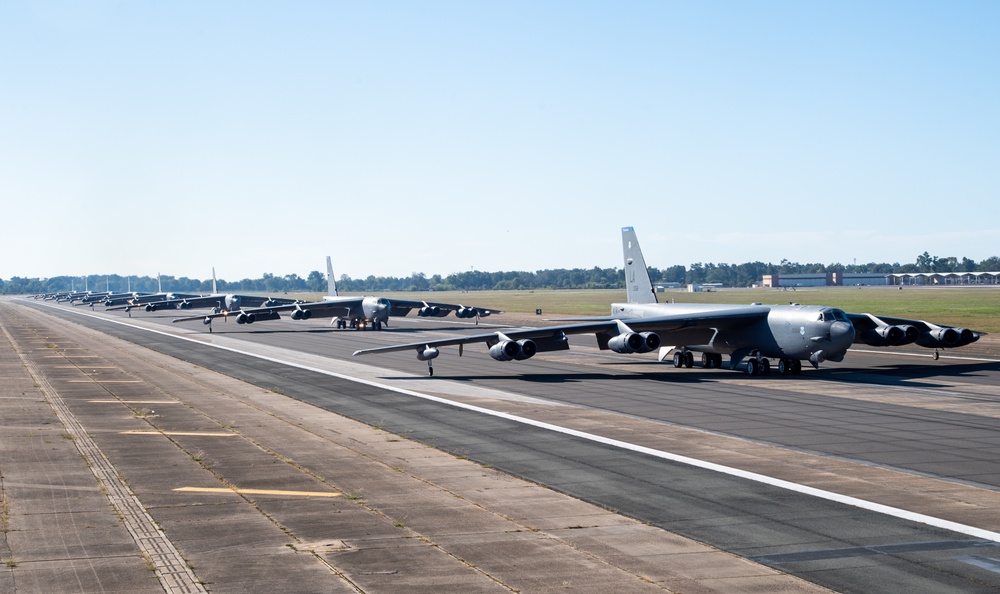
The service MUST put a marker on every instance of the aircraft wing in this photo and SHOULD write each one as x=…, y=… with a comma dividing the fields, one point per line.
x=342, y=306
x=219, y=301
x=679, y=329
x=876, y=330
x=401, y=307
x=150, y=298
x=197, y=301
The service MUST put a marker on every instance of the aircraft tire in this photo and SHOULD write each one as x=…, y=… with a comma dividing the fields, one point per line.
x=678, y=360
x=753, y=368
x=707, y=361
x=784, y=367
x=765, y=367
x=688, y=359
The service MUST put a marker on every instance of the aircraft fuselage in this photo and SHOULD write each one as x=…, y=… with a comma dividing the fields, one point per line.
x=800, y=332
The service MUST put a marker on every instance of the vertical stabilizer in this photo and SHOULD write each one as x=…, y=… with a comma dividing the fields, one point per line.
x=331, y=285
x=215, y=288
x=637, y=284
x=159, y=285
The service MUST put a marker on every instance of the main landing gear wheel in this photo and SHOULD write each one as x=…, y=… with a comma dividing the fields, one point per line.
x=789, y=367
x=758, y=367
x=684, y=359
x=711, y=360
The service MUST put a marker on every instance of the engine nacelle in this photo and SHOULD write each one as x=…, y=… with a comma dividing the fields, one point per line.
x=635, y=342
x=513, y=350
x=890, y=335
x=465, y=312
x=301, y=314
x=150, y=307
x=427, y=354
x=184, y=305
x=245, y=318
x=429, y=311
x=945, y=338
x=207, y=321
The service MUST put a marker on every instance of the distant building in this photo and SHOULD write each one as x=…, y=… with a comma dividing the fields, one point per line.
x=944, y=278
x=664, y=285
x=826, y=279
x=837, y=279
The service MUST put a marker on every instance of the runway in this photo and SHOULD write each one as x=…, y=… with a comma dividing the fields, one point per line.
x=897, y=432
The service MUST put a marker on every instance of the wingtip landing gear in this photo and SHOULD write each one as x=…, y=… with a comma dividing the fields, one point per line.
x=937, y=354
x=430, y=368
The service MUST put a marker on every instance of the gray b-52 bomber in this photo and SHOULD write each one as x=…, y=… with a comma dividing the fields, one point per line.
x=354, y=312
x=789, y=334
x=218, y=302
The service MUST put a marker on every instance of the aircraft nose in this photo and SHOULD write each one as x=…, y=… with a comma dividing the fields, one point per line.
x=842, y=334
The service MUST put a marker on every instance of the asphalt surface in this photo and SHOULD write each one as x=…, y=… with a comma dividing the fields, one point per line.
x=911, y=434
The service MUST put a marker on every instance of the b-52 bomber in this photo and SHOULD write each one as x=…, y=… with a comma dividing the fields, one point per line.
x=757, y=334
x=218, y=302
x=354, y=312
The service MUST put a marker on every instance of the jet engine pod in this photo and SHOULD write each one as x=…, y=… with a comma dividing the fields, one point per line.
x=465, y=312
x=943, y=338
x=910, y=333
x=207, y=321
x=429, y=311
x=245, y=318
x=427, y=353
x=890, y=335
x=651, y=340
x=510, y=350
x=635, y=342
x=184, y=305
x=150, y=307
x=302, y=314
x=528, y=349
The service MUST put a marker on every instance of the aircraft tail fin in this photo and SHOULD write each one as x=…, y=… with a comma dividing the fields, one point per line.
x=331, y=284
x=215, y=288
x=637, y=283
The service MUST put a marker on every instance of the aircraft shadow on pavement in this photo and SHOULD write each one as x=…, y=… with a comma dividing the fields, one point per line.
x=236, y=331
x=345, y=332
x=894, y=374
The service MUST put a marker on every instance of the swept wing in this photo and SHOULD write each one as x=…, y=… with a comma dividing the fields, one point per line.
x=338, y=307
x=877, y=330
x=620, y=335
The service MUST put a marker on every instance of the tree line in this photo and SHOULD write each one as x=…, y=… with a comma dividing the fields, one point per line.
x=729, y=275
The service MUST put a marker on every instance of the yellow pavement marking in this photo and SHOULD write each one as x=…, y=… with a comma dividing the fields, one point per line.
x=135, y=401
x=259, y=492
x=103, y=381
x=194, y=433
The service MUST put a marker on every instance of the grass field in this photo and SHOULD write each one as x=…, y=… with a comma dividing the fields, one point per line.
x=971, y=307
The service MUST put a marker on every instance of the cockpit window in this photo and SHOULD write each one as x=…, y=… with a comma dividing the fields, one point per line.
x=834, y=315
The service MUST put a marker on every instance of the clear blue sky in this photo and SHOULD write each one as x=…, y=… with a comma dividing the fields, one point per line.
x=400, y=137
